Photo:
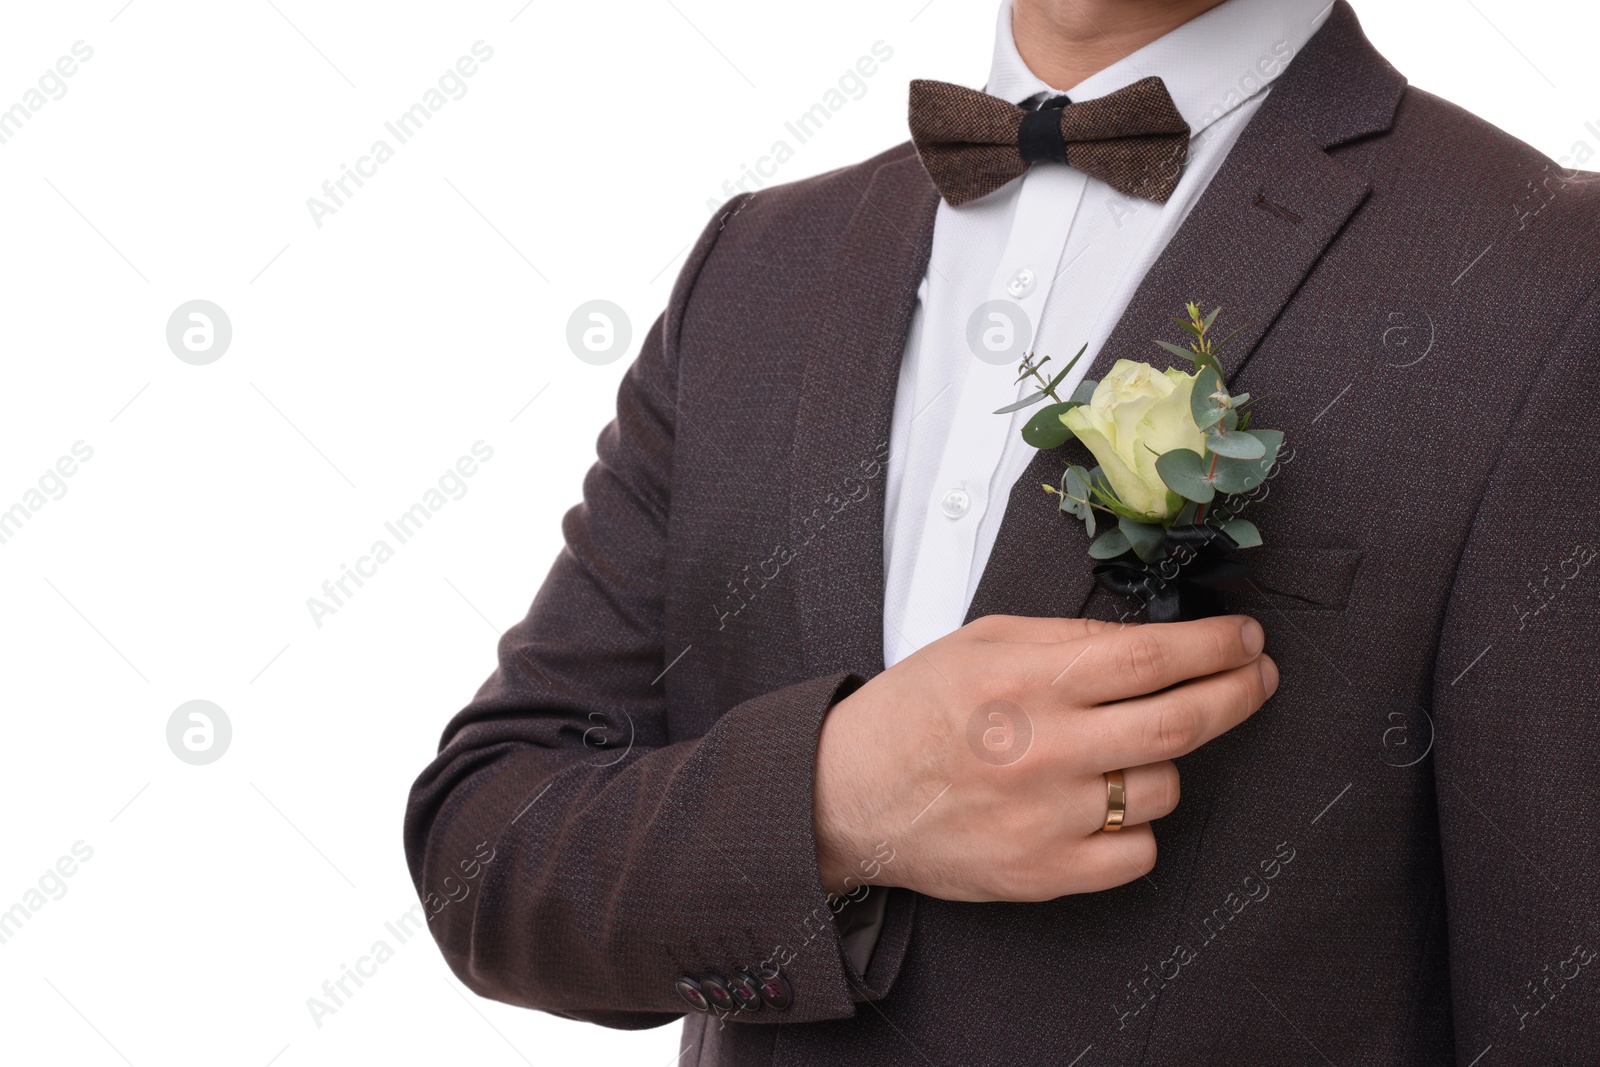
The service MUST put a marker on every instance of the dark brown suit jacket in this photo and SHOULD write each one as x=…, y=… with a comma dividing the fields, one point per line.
x=1393, y=863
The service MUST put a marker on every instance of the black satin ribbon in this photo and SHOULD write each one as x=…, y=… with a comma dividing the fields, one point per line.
x=1187, y=583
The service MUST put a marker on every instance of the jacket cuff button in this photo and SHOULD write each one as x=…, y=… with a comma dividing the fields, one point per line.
x=717, y=992
x=746, y=990
x=776, y=991
x=689, y=990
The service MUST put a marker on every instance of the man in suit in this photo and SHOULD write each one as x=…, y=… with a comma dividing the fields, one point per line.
x=814, y=731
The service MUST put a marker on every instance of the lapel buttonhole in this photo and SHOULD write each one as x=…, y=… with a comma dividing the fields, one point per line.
x=1277, y=209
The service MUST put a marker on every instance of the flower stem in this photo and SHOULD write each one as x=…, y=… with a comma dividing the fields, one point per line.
x=1044, y=383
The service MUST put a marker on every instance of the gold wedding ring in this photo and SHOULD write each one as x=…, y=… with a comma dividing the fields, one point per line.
x=1116, y=801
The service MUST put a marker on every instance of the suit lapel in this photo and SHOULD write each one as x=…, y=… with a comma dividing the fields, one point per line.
x=1257, y=231
x=853, y=357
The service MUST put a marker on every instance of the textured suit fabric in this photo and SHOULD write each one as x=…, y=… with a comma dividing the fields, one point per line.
x=1388, y=865
x=1133, y=139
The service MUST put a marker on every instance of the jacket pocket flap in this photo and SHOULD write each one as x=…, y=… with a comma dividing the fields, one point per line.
x=1295, y=578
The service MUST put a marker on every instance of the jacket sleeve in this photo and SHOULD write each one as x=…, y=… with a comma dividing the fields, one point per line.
x=569, y=855
x=1517, y=720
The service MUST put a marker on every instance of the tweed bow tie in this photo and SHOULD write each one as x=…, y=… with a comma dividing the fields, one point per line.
x=972, y=143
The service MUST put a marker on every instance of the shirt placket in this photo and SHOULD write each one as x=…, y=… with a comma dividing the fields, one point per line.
x=965, y=489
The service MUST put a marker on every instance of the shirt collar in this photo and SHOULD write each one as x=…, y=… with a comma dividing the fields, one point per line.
x=1211, y=64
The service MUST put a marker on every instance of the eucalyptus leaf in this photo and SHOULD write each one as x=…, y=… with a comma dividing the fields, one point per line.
x=1185, y=473
x=1243, y=475
x=1211, y=418
x=1146, y=538
x=1243, y=532
x=1075, y=497
x=1045, y=429
x=1206, y=382
x=1026, y=402
x=1110, y=544
x=1239, y=444
x=1075, y=494
x=1213, y=316
x=1085, y=391
x=1239, y=475
x=1073, y=362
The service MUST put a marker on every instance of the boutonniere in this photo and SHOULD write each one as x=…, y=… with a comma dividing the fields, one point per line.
x=1175, y=451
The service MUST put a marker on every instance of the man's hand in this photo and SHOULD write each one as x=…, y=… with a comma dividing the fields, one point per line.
x=980, y=760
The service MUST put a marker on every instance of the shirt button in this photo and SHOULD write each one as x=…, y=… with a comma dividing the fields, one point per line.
x=955, y=503
x=1021, y=283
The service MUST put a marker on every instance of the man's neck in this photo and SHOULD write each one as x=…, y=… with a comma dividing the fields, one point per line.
x=1065, y=41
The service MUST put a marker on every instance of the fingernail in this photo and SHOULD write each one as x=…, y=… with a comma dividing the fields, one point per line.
x=1269, y=674
x=1254, y=639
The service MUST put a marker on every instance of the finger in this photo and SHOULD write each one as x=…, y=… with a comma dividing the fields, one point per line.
x=1092, y=864
x=1021, y=628
x=1150, y=792
x=1126, y=662
x=1109, y=860
x=1174, y=723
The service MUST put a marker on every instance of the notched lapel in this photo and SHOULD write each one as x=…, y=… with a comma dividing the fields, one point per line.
x=1256, y=233
x=841, y=435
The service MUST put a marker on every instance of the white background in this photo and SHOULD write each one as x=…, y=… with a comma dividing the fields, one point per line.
x=427, y=313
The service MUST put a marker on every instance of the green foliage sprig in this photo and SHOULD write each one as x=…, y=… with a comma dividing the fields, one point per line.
x=1231, y=457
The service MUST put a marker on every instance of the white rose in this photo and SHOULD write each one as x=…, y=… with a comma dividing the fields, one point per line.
x=1136, y=414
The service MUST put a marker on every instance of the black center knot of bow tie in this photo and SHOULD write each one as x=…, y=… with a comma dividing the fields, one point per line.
x=1039, y=139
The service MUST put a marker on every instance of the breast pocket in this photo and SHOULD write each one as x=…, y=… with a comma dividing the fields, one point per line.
x=1296, y=578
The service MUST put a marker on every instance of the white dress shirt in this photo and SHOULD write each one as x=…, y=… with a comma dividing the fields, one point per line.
x=1068, y=252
